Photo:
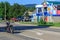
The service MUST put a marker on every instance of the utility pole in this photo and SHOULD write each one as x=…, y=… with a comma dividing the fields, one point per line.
x=5, y=12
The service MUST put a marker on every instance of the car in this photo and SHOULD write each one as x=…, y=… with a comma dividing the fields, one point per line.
x=20, y=18
x=14, y=19
x=27, y=19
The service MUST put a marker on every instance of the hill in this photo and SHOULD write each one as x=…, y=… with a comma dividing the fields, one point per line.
x=30, y=5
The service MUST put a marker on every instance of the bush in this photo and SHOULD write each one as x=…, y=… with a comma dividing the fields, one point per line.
x=49, y=22
x=41, y=22
x=44, y=22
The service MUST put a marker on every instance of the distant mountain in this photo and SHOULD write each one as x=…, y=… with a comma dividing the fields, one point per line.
x=30, y=5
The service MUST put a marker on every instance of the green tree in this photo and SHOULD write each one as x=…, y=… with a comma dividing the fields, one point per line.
x=18, y=10
x=7, y=9
x=12, y=10
x=2, y=9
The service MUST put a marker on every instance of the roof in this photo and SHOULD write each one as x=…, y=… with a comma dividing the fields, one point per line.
x=37, y=6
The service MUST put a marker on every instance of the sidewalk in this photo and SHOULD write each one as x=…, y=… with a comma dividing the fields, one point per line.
x=24, y=24
x=2, y=25
x=54, y=27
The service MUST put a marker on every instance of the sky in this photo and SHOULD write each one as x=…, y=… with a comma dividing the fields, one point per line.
x=24, y=2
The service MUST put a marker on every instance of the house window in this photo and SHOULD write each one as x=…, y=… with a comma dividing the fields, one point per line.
x=58, y=7
x=45, y=9
x=39, y=10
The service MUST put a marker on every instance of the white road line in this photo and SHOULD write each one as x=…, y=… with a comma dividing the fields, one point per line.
x=41, y=39
x=38, y=33
x=50, y=32
x=30, y=36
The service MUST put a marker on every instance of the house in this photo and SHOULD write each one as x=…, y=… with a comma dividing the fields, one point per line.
x=49, y=11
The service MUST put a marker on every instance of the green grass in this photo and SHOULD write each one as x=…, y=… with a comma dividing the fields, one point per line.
x=1, y=21
x=50, y=23
x=28, y=23
x=56, y=24
x=44, y=24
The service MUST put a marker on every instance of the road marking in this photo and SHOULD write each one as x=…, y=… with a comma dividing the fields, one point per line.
x=29, y=36
x=38, y=33
x=50, y=32
x=41, y=39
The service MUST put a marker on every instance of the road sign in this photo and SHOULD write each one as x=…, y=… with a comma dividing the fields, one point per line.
x=39, y=14
x=46, y=14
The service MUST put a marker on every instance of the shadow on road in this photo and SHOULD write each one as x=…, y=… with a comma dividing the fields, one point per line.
x=29, y=27
x=2, y=29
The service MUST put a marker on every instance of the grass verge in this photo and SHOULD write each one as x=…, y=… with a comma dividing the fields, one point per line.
x=56, y=24
x=38, y=24
x=28, y=23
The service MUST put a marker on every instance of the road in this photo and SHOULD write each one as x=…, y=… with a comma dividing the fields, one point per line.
x=41, y=34
x=7, y=36
x=24, y=32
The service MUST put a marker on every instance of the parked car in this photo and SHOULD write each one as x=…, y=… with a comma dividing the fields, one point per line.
x=20, y=18
x=14, y=19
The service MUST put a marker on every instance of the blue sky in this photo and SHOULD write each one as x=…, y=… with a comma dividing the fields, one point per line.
x=25, y=1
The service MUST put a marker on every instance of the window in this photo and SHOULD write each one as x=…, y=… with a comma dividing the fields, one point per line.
x=39, y=10
x=58, y=7
x=45, y=8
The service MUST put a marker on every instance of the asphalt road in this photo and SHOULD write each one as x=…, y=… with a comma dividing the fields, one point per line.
x=8, y=36
x=50, y=29
x=24, y=32
x=41, y=34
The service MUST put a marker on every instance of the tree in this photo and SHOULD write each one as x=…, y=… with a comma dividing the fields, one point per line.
x=11, y=10
x=2, y=10
x=31, y=9
x=7, y=9
x=18, y=10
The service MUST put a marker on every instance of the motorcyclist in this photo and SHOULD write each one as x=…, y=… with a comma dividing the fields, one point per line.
x=7, y=23
x=9, y=27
